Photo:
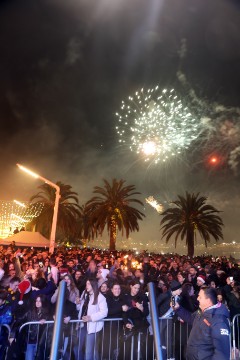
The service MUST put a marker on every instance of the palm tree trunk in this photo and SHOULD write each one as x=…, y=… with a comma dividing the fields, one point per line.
x=190, y=242
x=113, y=235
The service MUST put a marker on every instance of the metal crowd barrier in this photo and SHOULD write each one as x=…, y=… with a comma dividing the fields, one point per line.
x=5, y=332
x=236, y=337
x=111, y=343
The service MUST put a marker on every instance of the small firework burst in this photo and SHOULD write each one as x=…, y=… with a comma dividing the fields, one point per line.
x=156, y=124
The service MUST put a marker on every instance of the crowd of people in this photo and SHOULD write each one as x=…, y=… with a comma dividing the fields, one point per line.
x=113, y=284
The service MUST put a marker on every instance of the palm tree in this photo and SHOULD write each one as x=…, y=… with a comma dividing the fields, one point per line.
x=68, y=212
x=111, y=208
x=191, y=214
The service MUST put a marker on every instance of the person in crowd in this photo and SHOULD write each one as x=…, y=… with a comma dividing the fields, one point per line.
x=6, y=319
x=188, y=301
x=181, y=278
x=135, y=318
x=209, y=337
x=91, y=270
x=102, y=276
x=78, y=278
x=39, y=312
x=113, y=331
x=104, y=289
x=92, y=309
x=72, y=290
x=54, y=270
x=192, y=277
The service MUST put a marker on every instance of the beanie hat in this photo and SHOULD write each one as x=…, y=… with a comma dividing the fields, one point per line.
x=201, y=278
x=24, y=287
x=175, y=285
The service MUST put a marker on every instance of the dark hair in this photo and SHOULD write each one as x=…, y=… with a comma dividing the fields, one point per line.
x=210, y=293
x=186, y=288
x=53, y=261
x=113, y=284
x=41, y=283
x=135, y=282
x=14, y=279
x=94, y=285
x=3, y=294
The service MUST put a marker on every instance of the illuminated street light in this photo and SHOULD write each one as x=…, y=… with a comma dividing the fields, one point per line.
x=56, y=205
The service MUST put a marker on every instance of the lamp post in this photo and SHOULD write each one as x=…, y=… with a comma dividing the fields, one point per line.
x=56, y=204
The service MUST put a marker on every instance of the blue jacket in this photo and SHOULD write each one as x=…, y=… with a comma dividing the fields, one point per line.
x=210, y=335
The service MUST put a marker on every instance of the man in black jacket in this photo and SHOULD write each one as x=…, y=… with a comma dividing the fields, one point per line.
x=210, y=335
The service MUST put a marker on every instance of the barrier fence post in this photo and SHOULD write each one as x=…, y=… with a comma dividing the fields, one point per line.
x=155, y=322
x=57, y=330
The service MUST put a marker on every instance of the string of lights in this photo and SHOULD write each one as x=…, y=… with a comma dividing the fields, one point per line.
x=15, y=215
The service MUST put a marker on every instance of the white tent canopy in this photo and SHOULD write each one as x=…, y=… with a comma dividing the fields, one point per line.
x=26, y=238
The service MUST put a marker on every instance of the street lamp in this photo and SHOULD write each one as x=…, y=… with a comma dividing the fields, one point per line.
x=56, y=205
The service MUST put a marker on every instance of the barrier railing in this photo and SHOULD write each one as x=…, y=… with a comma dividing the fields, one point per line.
x=236, y=337
x=5, y=331
x=112, y=343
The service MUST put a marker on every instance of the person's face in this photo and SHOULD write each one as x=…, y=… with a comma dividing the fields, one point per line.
x=116, y=290
x=138, y=273
x=160, y=284
x=60, y=263
x=191, y=291
x=14, y=286
x=134, y=289
x=11, y=267
x=89, y=287
x=38, y=302
x=78, y=274
x=212, y=284
x=192, y=272
x=220, y=298
x=199, y=283
x=204, y=302
x=180, y=278
x=67, y=280
x=104, y=288
x=71, y=264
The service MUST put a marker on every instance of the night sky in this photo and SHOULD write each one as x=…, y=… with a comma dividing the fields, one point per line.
x=65, y=67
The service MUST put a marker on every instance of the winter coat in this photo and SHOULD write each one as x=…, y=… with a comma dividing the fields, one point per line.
x=209, y=337
x=97, y=312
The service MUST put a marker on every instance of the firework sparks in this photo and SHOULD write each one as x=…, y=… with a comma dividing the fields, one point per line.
x=156, y=124
x=151, y=201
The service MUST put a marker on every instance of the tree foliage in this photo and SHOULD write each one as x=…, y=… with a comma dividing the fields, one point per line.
x=69, y=211
x=189, y=215
x=111, y=209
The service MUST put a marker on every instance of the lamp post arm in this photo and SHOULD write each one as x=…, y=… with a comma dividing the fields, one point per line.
x=55, y=186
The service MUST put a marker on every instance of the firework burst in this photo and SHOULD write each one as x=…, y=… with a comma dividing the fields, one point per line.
x=156, y=124
x=153, y=202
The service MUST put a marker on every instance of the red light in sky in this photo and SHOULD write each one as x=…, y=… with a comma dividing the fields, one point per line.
x=213, y=160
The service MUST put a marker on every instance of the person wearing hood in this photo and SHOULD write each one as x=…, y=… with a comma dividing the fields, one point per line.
x=102, y=276
x=210, y=334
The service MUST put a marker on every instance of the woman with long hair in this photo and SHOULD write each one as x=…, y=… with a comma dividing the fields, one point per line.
x=72, y=290
x=39, y=312
x=135, y=318
x=92, y=309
